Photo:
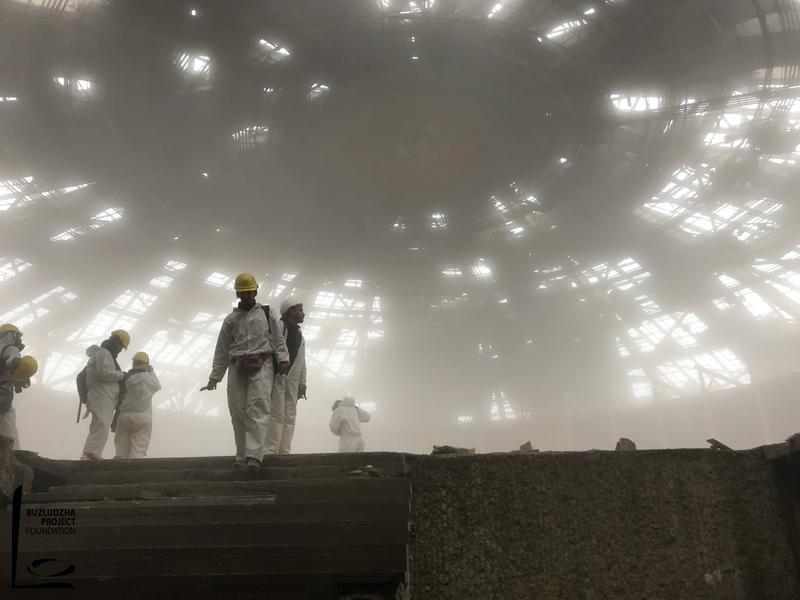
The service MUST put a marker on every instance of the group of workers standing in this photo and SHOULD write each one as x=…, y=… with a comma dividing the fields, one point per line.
x=119, y=401
x=263, y=356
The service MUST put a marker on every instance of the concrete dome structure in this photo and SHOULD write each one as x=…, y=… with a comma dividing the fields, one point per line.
x=512, y=219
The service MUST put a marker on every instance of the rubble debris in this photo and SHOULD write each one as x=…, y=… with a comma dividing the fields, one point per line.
x=452, y=450
x=625, y=445
x=366, y=471
x=526, y=448
x=717, y=445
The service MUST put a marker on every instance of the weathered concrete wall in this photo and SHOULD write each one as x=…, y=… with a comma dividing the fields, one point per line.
x=655, y=525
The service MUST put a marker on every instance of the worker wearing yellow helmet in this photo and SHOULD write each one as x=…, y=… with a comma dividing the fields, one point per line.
x=105, y=382
x=135, y=420
x=15, y=373
x=249, y=340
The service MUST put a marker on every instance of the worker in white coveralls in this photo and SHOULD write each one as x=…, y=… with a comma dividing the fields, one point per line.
x=105, y=381
x=346, y=423
x=135, y=421
x=248, y=339
x=287, y=389
x=15, y=375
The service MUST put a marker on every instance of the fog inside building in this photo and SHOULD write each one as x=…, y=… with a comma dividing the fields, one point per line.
x=508, y=220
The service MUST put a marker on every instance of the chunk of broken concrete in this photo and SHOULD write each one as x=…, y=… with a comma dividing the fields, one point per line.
x=625, y=445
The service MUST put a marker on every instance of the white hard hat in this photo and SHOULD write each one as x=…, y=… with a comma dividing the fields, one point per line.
x=289, y=303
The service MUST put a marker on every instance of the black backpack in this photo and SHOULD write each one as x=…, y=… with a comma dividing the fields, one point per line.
x=82, y=385
x=265, y=308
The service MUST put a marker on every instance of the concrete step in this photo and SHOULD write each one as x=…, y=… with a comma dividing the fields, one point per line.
x=192, y=587
x=339, y=562
x=353, y=489
x=386, y=460
x=216, y=510
x=139, y=475
x=202, y=535
x=300, y=527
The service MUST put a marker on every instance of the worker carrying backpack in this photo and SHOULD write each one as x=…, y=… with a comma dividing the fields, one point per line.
x=83, y=391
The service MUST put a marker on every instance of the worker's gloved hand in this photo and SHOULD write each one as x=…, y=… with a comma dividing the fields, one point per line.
x=212, y=385
x=301, y=391
x=283, y=367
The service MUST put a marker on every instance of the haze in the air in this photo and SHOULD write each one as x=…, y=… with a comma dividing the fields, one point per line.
x=559, y=221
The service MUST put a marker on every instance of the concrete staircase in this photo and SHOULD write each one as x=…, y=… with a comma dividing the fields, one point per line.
x=303, y=526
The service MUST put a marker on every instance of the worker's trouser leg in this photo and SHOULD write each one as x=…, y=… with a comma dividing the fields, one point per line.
x=282, y=416
x=289, y=417
x=8, y=426
x=122, y=440
x=140, y=440
x=247, y=401
x=97, y=438
x=351, y=443
x=133, y=434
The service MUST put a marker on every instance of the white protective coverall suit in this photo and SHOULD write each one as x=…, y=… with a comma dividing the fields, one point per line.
x=8, y=419
x=243, y=333
x=283, y=404
x=102, y=379
x=346, y=423
x=135, y=422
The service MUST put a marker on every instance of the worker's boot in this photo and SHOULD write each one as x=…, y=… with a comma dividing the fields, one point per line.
x=253, y=464
x=238, y=462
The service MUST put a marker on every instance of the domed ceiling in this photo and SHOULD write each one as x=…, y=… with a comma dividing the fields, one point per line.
x=513, y=214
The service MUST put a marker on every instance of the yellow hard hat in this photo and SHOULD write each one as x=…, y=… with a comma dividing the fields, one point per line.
x=123, y=337
x=5, y=328
x=27, y=368
x=245, y=282
x=141, y=357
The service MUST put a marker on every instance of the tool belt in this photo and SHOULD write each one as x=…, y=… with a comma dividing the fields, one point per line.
x=250, y=364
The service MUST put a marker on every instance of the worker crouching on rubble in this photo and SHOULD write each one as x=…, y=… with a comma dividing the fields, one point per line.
x=134, y=422
x=346, y=423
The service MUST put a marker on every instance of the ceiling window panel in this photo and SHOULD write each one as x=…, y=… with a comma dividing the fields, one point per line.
x=123, y=313
x=40, y=306
x=316, y=91
x=272, y=51
x=250, y=137
x=10, y=267
x=632, y=103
